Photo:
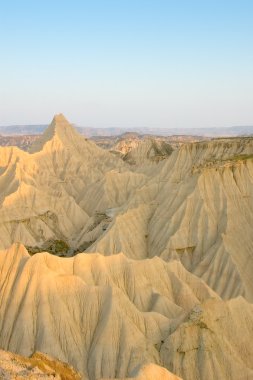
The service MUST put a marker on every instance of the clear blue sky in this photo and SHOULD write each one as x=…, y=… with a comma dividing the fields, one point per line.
x=164, y=63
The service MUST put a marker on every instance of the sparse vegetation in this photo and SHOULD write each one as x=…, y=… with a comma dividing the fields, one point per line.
x=240, y=157
x=55, y=247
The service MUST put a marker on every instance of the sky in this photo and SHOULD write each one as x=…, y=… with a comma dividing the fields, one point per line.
x=127, y=63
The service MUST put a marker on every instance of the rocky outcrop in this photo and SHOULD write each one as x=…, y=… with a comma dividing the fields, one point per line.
x=38, y=366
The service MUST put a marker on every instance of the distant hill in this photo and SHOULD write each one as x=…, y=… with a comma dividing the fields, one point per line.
x=10, y=130
x=114, y=131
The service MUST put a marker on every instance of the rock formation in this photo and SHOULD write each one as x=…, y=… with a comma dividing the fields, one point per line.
x=38, y=366
x=158, y=276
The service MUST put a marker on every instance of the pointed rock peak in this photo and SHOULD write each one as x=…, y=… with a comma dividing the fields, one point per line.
x=59, y=123
x=62, y=128
x=59, y=119
x=59, y=127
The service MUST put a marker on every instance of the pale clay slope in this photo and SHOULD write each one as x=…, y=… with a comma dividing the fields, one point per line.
x=202, y=217
x=146, y=151
x=44, y=193
x=108, y=316
x=104, y=315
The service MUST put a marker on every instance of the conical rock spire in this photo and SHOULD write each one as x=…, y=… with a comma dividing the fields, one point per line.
x=59, y=127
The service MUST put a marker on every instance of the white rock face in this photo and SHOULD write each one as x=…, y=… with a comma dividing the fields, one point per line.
x=165, y=282
x=216, y=336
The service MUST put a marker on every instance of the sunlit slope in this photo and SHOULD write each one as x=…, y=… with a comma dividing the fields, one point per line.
x=194, y=206
x=109, y=316
x=195, y=209
x=166, y=276
x=44, y=194
x=103, y=315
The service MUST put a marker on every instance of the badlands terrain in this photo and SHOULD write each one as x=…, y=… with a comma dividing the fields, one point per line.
x=131, y=262
x=118, y=144
x=21, y=141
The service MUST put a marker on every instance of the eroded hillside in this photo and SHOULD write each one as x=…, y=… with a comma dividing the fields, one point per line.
x=162, y=256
